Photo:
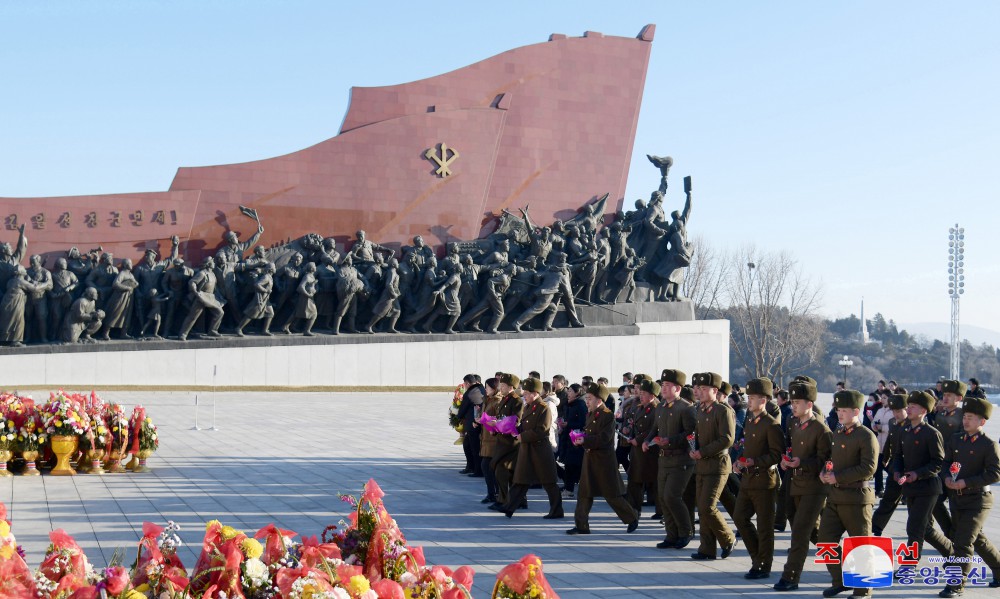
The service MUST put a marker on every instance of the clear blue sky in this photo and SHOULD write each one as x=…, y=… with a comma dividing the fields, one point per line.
x=851, y=133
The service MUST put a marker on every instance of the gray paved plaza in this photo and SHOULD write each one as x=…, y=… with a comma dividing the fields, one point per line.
x=284, y=457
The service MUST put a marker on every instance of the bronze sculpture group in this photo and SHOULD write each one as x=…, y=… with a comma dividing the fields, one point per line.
x=515, y=278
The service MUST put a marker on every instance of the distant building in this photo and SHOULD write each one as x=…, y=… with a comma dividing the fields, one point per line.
x=863, y=333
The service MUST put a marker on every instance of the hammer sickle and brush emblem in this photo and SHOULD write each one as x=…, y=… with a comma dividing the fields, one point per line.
x=443, y=160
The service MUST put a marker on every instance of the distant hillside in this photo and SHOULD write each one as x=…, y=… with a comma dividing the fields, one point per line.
x=942, y=330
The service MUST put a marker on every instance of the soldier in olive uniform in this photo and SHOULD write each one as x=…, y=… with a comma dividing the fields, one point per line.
x=916, y=467
x=715, y=431
x=675, y=420
x=536, y=463
x=849, y=476
x=972, y=466
x=643, y=464
x=810, y=450
x=893, y=492
x=505, y=446
x=599, y=476
x=762, y=449
x=948, y=421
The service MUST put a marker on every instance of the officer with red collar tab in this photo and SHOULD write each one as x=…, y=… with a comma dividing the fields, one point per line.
x=972, y=465
x=762, y=449
x=715, y=433
x=849, y=478
x=805, y=458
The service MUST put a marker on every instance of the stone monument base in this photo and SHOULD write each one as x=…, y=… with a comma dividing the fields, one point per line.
x=365, y=361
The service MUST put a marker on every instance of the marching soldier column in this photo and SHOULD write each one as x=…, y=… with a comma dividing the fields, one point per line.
x=830, y=474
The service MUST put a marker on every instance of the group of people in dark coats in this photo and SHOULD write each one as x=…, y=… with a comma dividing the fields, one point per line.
x=786, y=464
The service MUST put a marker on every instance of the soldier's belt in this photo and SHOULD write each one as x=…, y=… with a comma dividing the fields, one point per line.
x=972, y=492
x=861, y=484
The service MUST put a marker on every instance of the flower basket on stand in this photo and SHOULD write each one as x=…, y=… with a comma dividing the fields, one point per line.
x=64, y=420
x=118, y=438
x=143, y=439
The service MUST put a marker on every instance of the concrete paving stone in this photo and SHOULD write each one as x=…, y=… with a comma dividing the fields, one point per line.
x=284, y=457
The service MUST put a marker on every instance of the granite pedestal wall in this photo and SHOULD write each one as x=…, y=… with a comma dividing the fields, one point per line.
x=352, y=361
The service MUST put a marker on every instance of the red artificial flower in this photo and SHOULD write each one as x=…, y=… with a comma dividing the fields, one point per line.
x=116, y=579
x=388, y=589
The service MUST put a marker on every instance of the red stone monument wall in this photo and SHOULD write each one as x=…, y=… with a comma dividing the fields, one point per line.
x=551, y=125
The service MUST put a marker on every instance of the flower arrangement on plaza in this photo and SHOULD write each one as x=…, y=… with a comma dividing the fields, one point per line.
x=28, y=427
x=117, y=421
x=63, y=415
x=365, y=558
x=523, y=580
x=148, y=439
x=456, y=402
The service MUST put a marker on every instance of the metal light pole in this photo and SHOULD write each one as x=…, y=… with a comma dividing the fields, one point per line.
x=846, y=363
x=956, y=287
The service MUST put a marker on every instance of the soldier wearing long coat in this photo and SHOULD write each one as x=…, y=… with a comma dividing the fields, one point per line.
x=535, y=461
x=600, y=476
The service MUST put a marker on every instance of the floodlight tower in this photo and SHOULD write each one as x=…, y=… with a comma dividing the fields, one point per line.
x=956, y=287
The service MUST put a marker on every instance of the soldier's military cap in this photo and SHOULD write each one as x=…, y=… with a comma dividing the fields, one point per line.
x=977, y=406
x=533, y=385
x=671, y=375
x=708, y=379
x=957, y=387
x=687, y=393
x=922, y=398
x=798, y=389
x=598, y=390
x=897, y=402
x=848, y=398
x=805, y=379
x=510, y=379
x=762, y=386
x=725, y=388
x=637, y=379
x=651, y=387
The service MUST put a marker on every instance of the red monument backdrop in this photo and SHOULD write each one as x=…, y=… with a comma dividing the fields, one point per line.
x=551, y=125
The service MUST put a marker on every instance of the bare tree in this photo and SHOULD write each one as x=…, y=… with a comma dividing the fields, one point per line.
x=703, y=281
x=775, y=330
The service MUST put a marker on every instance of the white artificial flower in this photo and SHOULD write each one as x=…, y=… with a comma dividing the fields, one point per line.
x=256, y=572
x=340, y=593
x=369, y=594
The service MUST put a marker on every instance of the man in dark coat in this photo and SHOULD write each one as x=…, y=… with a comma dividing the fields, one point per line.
x=535, y=461
x=643, y=462
x=916, y=467
x=600, y=476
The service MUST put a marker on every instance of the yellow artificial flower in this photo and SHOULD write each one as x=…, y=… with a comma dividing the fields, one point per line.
x=212, y=523
x=58, y=423
x=359, y=585
x=7, y=551
x=149, y=420
x=142, y=588
x=4, y=528
x=252, y=548
x=228, y=532
x=134, y=594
